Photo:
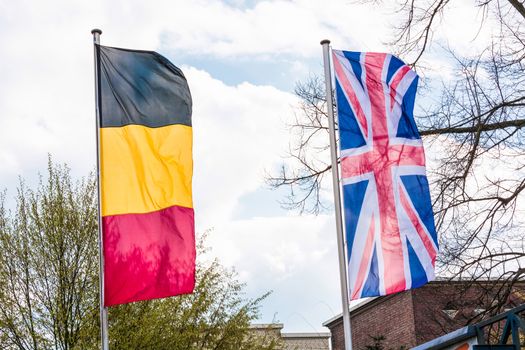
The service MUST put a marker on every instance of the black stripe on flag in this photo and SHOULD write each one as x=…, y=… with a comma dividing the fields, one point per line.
x=141, y=88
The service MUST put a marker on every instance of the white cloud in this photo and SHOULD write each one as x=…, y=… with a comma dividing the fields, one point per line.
x=276, y=28
x=294, y=256
x=47, y=105
x=46, y=92
x=466, y=28
x=239, y=131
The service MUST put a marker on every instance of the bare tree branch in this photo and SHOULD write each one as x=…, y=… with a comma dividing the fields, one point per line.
x=475, y=130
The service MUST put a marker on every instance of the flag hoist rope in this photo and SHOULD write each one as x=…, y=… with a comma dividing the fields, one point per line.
x=103, y=310
x=337, y=197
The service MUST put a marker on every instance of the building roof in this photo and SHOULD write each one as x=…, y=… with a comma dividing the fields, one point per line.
x=357, y=306
x=306, y=335
x=364, y=304
x=266, y=326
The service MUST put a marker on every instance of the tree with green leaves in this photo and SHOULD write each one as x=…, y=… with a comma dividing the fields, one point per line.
x=49, y=283
x=216, y=316
x=48, y=264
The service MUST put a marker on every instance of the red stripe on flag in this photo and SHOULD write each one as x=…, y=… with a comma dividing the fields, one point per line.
x=366, y=261
x=393, y=262
x=148, y=256
x=403, y=155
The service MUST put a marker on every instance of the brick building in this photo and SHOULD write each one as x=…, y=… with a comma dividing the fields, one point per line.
x=306, y=341
x=416, y=316
x=291, y=341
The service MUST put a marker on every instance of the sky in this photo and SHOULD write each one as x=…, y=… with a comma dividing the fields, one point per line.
x=242, y=60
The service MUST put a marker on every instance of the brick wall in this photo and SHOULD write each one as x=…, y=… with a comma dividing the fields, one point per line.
x=289, y=341
x=414, y=317
x=429, y=304
x=305, y=341
x=391, y=317
x=441, y=307
x=336, y=329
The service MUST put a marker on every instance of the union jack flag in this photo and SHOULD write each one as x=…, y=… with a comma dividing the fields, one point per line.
x=391, y=237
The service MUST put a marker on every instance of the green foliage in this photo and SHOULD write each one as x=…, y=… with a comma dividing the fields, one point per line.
x=48, y=263
x=49, y=283
x=215, y=316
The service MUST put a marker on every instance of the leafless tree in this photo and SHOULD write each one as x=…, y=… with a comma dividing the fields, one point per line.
x=475, y=131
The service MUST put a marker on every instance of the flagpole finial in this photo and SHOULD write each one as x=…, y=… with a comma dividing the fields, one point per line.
x=325, y=41
x=96, y=35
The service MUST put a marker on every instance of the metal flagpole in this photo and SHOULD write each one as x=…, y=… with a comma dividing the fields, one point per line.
x=337, y=197
x=103, y=310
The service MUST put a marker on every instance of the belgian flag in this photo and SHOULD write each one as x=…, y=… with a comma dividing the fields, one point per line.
x=146, y=172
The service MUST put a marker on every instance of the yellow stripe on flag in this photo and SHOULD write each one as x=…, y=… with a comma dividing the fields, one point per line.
x=145, y=169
